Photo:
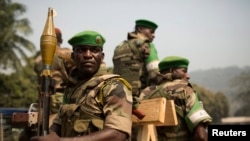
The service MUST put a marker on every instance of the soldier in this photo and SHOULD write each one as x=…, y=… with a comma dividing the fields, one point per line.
x=99, y=105
x=174, y=85
x=129, y=60
x=148, y=28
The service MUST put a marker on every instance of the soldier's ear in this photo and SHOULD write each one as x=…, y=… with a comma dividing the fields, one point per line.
x=140, y=29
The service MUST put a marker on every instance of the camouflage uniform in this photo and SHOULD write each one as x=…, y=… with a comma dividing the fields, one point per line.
x=152, y=61
x=129, y=62
x=103, y=101
x=190, y=111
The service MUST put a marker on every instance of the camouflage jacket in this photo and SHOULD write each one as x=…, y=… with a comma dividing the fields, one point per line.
x=151, y=62
x=104, y=101
x=185, y=100
x=129, y=62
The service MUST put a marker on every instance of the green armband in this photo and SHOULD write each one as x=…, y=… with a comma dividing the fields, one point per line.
x=152, y=61
x=196, y=115
x=153, y=54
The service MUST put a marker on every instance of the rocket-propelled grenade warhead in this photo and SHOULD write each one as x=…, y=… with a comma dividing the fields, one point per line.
x=48, y=43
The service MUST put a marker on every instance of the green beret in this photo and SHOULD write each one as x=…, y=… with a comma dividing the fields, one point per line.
x=172, y=62
x=91, y=38
x=146, y=23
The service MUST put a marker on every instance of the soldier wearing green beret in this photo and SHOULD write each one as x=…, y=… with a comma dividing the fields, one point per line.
x=148, y=28
x=192, y=117
x=98, y=105
x=136, y=58
x=171, y=62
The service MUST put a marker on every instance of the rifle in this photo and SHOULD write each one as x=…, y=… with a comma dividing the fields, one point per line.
x=48, y=44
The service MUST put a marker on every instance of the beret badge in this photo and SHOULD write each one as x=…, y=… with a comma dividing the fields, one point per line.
x=98, y=39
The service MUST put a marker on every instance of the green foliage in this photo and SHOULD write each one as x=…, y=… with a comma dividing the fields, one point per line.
x=215, y=104
x=224, y=80
x=242, y=84
x=13, y=45
x=223, y=104
x=18, y=89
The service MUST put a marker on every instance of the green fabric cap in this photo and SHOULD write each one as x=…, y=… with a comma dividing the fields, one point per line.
x=146, y=23
x=91, y=38
x=172, y=62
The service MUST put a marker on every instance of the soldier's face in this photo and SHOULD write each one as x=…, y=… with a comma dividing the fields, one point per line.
x=181, y=73
x=148, y=32
x=88, y=58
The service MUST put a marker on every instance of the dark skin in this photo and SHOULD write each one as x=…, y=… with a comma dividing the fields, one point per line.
x=199, y=132
x=88, y=60
x=180, y=73
x=148, y=32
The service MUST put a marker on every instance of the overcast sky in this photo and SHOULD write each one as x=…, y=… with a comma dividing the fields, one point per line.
x=210, y=33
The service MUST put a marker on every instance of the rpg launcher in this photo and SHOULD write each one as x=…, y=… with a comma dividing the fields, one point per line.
x=48, y=44
x=36, y=120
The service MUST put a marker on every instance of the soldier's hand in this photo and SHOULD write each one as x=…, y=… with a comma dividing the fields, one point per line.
x=52, y=136
x=200, y=133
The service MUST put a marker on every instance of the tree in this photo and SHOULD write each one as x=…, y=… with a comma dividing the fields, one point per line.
x=242, y=84
x=216, y=104
x=13, y=44
x=19, y=89
x=222, y=103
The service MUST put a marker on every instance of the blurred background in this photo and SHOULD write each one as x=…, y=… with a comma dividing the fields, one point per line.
x=213, y=34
